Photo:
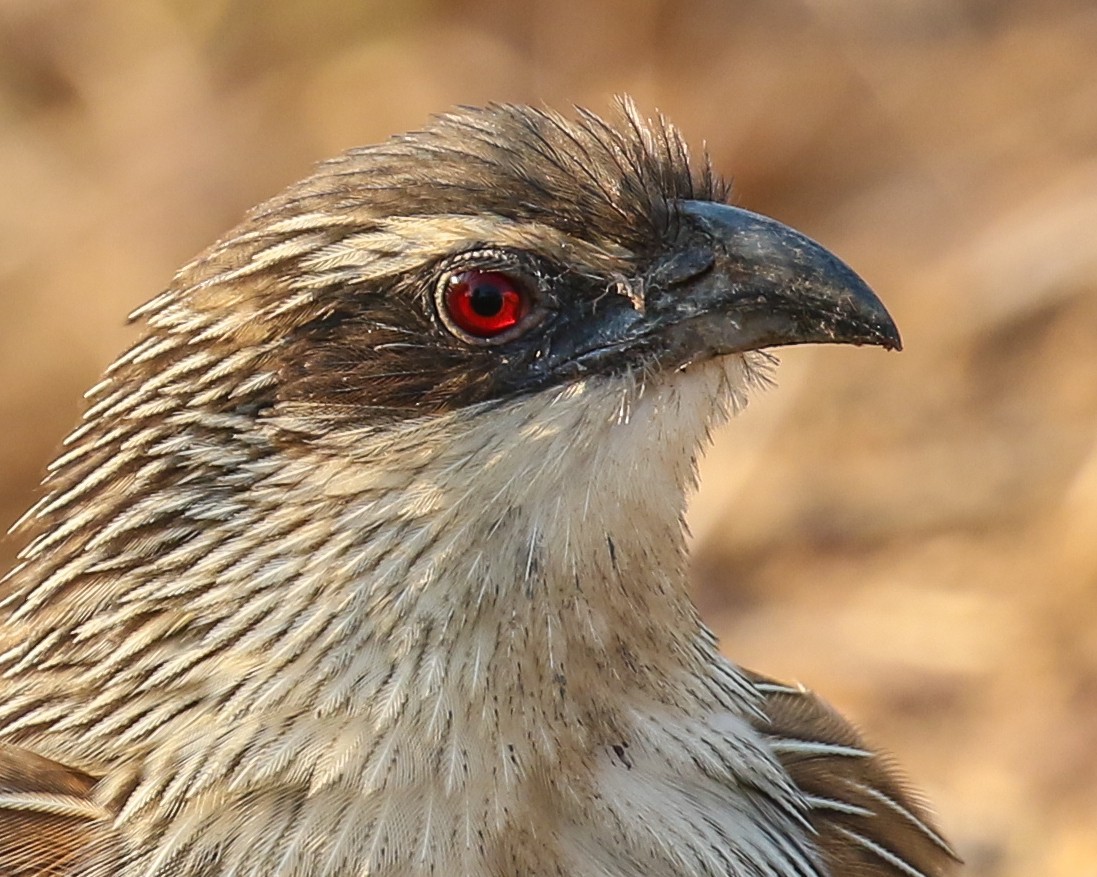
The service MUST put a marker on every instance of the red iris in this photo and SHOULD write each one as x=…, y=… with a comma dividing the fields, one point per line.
x=485, y=303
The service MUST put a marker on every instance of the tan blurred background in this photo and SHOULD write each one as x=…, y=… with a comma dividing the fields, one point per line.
x=914, y=535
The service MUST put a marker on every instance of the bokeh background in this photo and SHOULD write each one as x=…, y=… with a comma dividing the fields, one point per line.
x=913, y=534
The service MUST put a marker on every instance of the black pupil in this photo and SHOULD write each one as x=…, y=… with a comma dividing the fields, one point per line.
x=487, y=299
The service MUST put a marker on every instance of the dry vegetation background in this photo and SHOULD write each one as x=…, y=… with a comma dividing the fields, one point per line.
x=913, y=534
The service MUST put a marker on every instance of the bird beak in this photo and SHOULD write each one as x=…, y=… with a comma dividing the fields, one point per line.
x=736, y=281
x=767, y=285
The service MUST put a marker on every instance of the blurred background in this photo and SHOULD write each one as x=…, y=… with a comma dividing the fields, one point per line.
x=915, y=534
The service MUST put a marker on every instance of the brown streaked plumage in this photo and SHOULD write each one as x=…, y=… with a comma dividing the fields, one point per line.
x=368, y=558
x=863, y=813
x=50, y=820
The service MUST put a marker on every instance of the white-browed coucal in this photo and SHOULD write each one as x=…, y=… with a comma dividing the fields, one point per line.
x=369, y=559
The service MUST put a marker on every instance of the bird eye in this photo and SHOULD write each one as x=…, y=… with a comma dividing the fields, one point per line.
x=484, y=304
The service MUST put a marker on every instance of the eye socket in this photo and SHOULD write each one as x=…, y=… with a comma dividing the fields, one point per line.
x=484, y=304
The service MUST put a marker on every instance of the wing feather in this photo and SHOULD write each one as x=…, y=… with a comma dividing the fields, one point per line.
x=50, y=822
x=869, y=824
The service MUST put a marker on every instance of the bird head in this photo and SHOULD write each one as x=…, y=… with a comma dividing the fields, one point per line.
x=500, y=253
x=497, y=256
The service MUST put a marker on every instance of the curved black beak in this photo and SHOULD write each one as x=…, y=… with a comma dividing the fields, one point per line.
x=733, y=281
x=766, y=285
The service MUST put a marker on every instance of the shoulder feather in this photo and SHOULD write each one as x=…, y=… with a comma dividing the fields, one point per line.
x=869, y=824
x=50, y=822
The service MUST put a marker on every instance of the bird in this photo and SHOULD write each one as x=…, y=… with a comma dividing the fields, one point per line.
x=368, y=558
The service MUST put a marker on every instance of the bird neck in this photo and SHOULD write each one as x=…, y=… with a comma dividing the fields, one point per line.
x=479, y=619
x=536, y=544
x=500, y=551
